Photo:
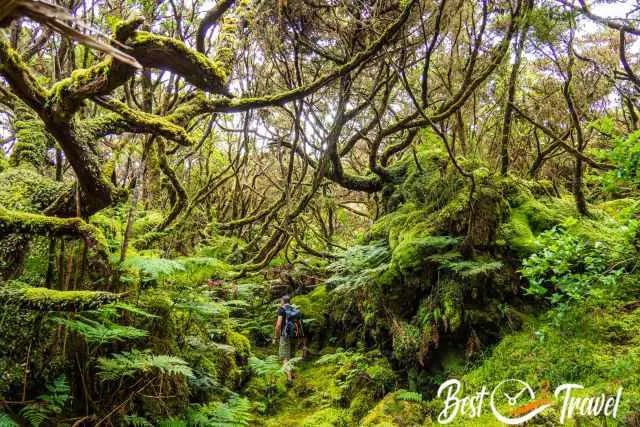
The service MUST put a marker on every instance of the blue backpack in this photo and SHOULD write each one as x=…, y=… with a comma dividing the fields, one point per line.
x=293, y=322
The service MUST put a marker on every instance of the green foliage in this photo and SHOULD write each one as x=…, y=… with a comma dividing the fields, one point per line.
x=203, y=309
x=328, y=417
x=473, y=267
x=236, y=412
x=112, y=310
x=268, y=366
x=32, y=139
x=23, y=188
x=136, y=421
x=410, y=396
x=6, y=421
x=129, y=364
x=49, y=404
x=172, y=422
x=568, y=267
x=626, y=155
x=100, y=333
x=153, y=267
x=357, y=371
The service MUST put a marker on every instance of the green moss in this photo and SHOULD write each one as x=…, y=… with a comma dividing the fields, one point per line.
x=393, y=412
x=43, y=299
x=599, y=354
x=152, y=123
x=23, y=188
x=406, y=342
x=32, y=139
x=410, y=254
x=12, y=60
x=210, y=70
x=329, y=417
x=221, y=247
x=64, y=96
x=240, y=343
x=620, y=209
x=518, y=234
x=12, y=221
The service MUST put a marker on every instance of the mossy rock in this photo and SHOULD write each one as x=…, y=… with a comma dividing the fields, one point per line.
x=394, y=412
x=240, y=343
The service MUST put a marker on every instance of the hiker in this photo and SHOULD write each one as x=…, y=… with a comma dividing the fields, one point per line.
x=288, y=329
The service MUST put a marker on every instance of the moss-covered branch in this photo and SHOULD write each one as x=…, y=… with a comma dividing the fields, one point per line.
x=45, y=300
x=12, y=221
x=22, y=82
x=172, y=55
x=144, y=122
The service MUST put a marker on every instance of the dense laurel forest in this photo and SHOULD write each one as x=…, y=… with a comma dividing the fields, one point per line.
x=447, y=189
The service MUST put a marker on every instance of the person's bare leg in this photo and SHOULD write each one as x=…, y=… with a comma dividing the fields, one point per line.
x=305, y=348
x=287, y=369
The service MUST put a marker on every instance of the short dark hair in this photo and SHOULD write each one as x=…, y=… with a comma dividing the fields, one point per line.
x=285, y=299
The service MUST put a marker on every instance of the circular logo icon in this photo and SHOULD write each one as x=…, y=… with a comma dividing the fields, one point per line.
x=513, y=394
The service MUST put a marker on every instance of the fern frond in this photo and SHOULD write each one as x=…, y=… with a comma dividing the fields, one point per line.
x=128, y=364
x=6, y=421
x=100, y=333
x=207, y=309
x=47, y=404
x=410, y=396
x=234, y=413
x=154, y=267
x=121, y=305
x=268, y=366
x=136, y=421
x=474, y=268
x=172, y=422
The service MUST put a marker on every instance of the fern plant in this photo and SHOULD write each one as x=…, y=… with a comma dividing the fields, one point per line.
x=128, y=364
x=111, y=311
x=153, y=267
x=6, y=421
x=172, y=422
x=359, y=265
x=234, y=413
x=271, y=370
x=100, y=333
x=137, y=421
x=48, y=404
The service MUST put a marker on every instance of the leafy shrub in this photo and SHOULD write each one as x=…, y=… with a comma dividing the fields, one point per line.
x=567, y=267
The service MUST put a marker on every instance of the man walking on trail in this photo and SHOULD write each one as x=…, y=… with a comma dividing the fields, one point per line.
x=287, y=331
